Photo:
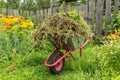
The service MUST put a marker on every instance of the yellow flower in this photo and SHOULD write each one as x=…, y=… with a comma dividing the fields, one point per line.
x=1, y=15
x=31, y=24
x=24, y=24
x=113, y=35
x=116, y=31
x=11, y=21
x=13, y=28
x=2, y=27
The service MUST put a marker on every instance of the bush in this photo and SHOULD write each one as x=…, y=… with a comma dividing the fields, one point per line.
x=115, y=24
x=109, y=52
x=108, y=56
x=114, y=30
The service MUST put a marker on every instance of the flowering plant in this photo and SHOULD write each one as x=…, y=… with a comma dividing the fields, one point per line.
x=12, y=22
x=15, y=34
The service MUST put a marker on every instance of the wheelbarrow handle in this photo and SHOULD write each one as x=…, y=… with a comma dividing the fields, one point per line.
x=91, y=36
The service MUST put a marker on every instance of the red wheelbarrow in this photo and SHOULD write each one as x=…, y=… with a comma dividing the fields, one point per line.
x=56, y=60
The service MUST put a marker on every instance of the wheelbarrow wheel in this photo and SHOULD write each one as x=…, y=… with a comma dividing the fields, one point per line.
x=58, y=67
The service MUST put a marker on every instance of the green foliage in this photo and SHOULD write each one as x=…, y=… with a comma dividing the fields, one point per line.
x=2, y=4
x=117, y=78
x=108, y=56
x=14, y=42
x=69, y=2
x=98, y=40
x=115, y=24
x=12, y=4
x=31, y=5
x=79, y=2
x=31, y=66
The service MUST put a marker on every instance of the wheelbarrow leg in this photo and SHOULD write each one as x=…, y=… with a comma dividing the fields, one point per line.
x=72, y=56
x=80, y=52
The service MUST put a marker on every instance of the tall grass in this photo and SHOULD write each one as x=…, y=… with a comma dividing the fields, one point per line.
x=31, y=66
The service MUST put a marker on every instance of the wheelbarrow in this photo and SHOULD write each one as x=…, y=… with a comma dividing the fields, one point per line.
x=56, y=60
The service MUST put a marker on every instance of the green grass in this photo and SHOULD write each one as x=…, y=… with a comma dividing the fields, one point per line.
x=31, y=66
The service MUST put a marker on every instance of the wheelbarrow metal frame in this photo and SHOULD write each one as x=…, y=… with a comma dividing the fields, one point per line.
x=68, y=51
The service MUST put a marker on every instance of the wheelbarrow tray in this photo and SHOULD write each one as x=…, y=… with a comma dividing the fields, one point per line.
x=71, y=42
x=61, y=58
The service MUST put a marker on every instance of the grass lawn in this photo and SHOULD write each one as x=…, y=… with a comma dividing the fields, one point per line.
x=31, y=67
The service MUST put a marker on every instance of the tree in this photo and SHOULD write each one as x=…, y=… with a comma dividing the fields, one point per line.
x=70, y=2
x=2, y=3
x=33, y=5
x=13, y=4
x=42, y=4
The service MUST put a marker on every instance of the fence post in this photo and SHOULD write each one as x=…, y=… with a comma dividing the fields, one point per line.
x=42, y=14
x=45, y=12
x=86, y=13
x=16, y=13
x=53, y=10
x=91, y=13
x=99, y=16
x=20, y=12
x=83, y=11
x=4, y=10
x=50, y=11
x=108, y=15
x=116, y=8
x=77, y=9
x=10, y=12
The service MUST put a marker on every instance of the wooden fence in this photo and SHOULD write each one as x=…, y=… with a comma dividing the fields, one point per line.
x=95, y=13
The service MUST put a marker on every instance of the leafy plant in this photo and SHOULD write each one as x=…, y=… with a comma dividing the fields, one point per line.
x=115, y=24
x=108, y=56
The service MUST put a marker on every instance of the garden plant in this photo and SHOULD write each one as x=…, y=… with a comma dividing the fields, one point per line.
x=25, y=44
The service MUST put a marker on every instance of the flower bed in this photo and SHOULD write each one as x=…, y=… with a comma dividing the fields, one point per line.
x=15, y=35
x=12, y=22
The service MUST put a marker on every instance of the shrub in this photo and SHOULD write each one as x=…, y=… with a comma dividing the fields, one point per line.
x=115, y=24
x=108, y=56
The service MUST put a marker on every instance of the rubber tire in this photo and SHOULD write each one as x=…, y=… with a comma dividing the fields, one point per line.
x=53, y=58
